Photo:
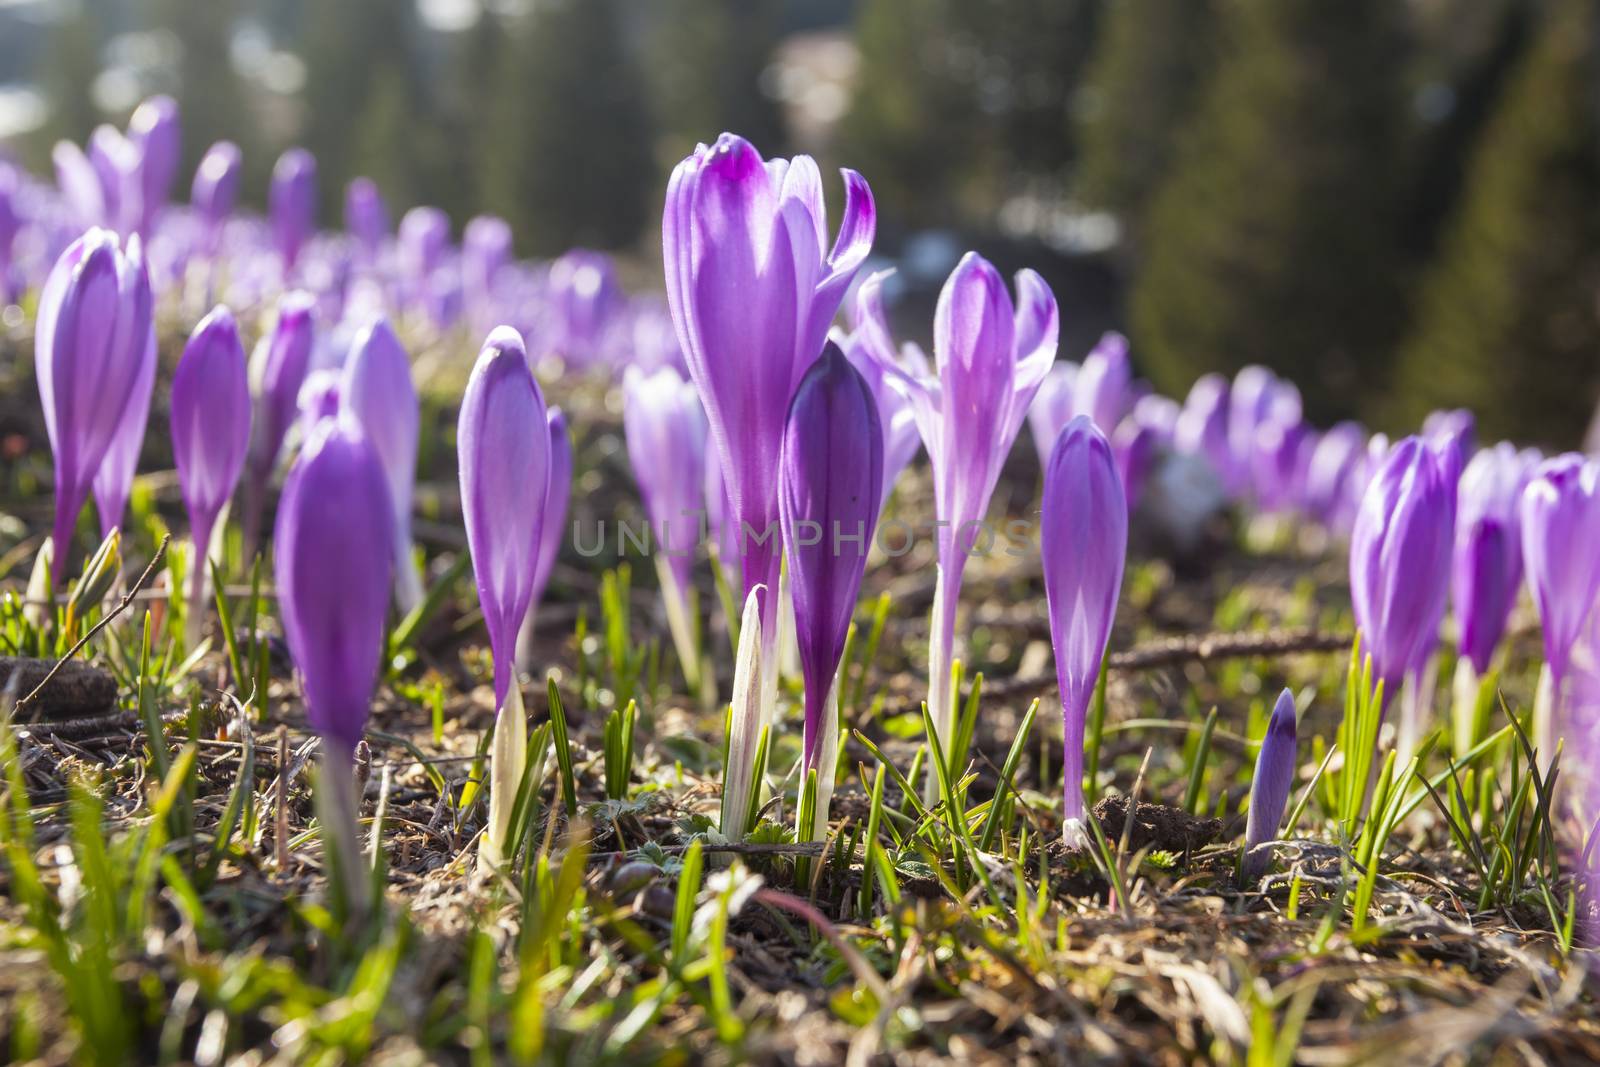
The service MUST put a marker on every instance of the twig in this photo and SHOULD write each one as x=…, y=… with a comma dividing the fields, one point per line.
x=105, y=620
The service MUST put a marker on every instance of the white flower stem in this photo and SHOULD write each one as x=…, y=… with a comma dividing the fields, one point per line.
x=509, y=758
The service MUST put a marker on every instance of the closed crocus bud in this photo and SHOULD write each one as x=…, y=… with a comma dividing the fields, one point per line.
x=503, y=442
x=377, y=389
x=991, y=356
x=1275, y=463
x=1269, y=789
x=666, y=438
x=278, y=369
x=1335, y=460
x=557, y=497
x=870, y=348
x=1202, y=428
x=92, y=338
x=1134, y=447
x=116, y=165
x=1486, y=562
x=366, y=217
x=1459, y=426
x=332, y=545
x=156, y=133
x=318, y=400
x=79, y=185
x=292, y=204
x=216, y=188
x=210, y=424
x=485, y=250
x=1052, y=408
x=1103, y=387
x=423, y=239
x=1560, y=518
x=753, y=288
x=585, y=297
x=113, y=482
x=1083, y=537
x=829, y=483
x=1400, y=560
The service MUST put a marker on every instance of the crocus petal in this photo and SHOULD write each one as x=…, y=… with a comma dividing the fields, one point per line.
x=210, y=418
x=1560, y=528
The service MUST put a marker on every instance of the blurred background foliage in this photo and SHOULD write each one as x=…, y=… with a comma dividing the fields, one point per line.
x=1392, y=201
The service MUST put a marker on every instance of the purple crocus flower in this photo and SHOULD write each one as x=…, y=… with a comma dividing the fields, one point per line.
x=366, y=218
x=753, y=288
x=829, y=487
x=210, y=424
x=557, y=497
x=1202, y=428
x=423, y=239
x=1335, y=461
x=278, y=369
x=666, y=438
x=292, y=204
x=503, y=442
x=1486, y=564
x=378, y=391
x=1400, y=560
x=318, y=400
x=1053, y=407
x=1269, y=789
x=113, y=482
x=92, y=338
x=1102, y=389
x=116, y=165
x=79, y=185
x=10, y=224
x=1560, y=520
x=485, y=251
x=1083, y=535
x=216, y=189
x=156, y=134
x=991, y=356
x=1458, y=425
x=585, y=299
x=332, y=545
x=331, y=571
x=1256, y=397
x=1134, y=446
x=1275, y=462
x=869, y=347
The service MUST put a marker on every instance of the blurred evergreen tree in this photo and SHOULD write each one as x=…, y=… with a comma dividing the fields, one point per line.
x=1507, y=319
x=1142, y=85
x=363, y=65
x=572, y=160
x=1273, y=240
x=706, y=61
x=67, y=78
x=961, y=103
x=211, y=101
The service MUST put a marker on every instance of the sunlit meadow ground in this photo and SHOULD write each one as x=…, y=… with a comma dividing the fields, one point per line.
x=187, y=924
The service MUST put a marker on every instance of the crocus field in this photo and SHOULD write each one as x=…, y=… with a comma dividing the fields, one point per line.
x=414, y=654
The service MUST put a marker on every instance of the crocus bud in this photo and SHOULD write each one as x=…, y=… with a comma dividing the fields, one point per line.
x=423, y=239
x=1486, y=561
x=278, y=369
x=318, y=399
x=1083, y=536
x=1102, y=388
x=1269, y=789
x=292, y=203
x=503, y=444
x=365, y=215
x=91, y=341
x=829, y=483
x=1335, y=460
x=1400, y=560
x=666, y=438
x=485, y=250
x=113, y=482
x=991, y=356
x=585, y=297
x=557, y=496
x=1560, y=529
x=1202, y=428
x=116, y=164
x=1053, y=407
x=216, y=188
x=1458, y=426
x=1134, y=447
x=378, y=391
x=156, y=133
x=210, y=422
x=332, y=544
x=79, y=185
x=869, y=348
x=1275, y=463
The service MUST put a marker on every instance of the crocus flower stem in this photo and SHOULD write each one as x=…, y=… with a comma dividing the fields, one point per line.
x=744, y=726
x=338, y=814
x=509, y=760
